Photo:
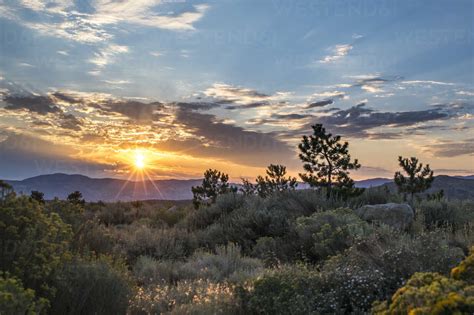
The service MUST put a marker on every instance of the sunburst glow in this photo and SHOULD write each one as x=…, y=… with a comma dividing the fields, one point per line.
x=139, y=160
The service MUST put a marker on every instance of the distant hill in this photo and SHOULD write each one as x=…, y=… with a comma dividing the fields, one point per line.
x=453, y=187
x=110, y=189
x=106, y=189
x=372, y=182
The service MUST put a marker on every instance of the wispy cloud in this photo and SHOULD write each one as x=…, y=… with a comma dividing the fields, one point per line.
x=66, y=19
x=338, y=52
x=156, y=53
x=451, y=148
x=240, y=95
x=107, y=55
x=426, y=82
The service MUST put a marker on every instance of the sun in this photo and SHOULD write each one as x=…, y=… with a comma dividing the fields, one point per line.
x=139, y=160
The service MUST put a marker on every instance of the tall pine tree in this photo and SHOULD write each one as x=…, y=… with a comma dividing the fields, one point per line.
x=327, y=162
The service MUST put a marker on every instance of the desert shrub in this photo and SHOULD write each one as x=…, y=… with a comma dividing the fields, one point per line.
x=327, y=233
x=185, y=297
x=373, y=268
x=290, y=290
x=224, y=204
x=170, y=216
x=465, y=270
x=226, y=263
x=276, y=250
x=99, y=286
x=142, y=240
x=438, y=213
x=244, y=226
x=117, y=213
x=15, y=299
x=70, y=213
x=432, y=293
x=148, y=270
x=93, y=237
x=34, y=243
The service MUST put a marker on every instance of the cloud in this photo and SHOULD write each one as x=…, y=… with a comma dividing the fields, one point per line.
x=24, y=156
x=227, y=141
x=329, y=94
x=373, y=83
x=321, y=99
x=338, y=52
x=87, y=22
x=137, y=111
x=37, y=104
x=451, y=148
x=320, y=104
x=357, y=119
x=225, y=93
x=156, y=53
x=106, y=55
x=140, y=12
x=116, y=82
x=426, y=82
x=69, y=121
x=465, y=93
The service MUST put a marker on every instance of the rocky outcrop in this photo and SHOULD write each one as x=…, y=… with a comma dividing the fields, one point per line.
x=398, y=216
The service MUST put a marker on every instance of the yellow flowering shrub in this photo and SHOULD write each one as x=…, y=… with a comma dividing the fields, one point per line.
x=433, y=293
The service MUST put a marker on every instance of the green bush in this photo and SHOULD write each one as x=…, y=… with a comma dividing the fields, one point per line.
x=328, y=233
x=93, y=238
x=141, y=240
x=16, y=300
x=291, y=290
x=227, y=264
x=34, y=243
x=70, y=213
x=274, y=251
x=373, y=268
x=99, y=286
x=439, y=213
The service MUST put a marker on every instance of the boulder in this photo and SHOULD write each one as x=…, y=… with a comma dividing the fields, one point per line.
x=396, y=215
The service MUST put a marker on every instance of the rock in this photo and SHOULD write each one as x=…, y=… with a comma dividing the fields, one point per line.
x=398, y=216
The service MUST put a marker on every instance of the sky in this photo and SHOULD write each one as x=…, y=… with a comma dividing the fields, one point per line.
x=90, y=86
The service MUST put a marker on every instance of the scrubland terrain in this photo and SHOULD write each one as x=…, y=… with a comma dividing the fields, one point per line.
x=293, y=252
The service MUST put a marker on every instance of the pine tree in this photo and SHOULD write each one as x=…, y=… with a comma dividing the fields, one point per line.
x=213, y=184
x=327, y=162
x=418, y=178
x=275, y=181
x=76, y=198
x=38, y=196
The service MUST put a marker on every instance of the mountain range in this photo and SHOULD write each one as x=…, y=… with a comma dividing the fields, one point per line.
x=110, y=189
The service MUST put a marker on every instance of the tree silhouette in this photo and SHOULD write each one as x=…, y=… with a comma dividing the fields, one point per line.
x=5, y=190
x=38, y=196
x=213, y=184
x=275, y=181
x=327, y=162
x=418, y=178
x=76, y=198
